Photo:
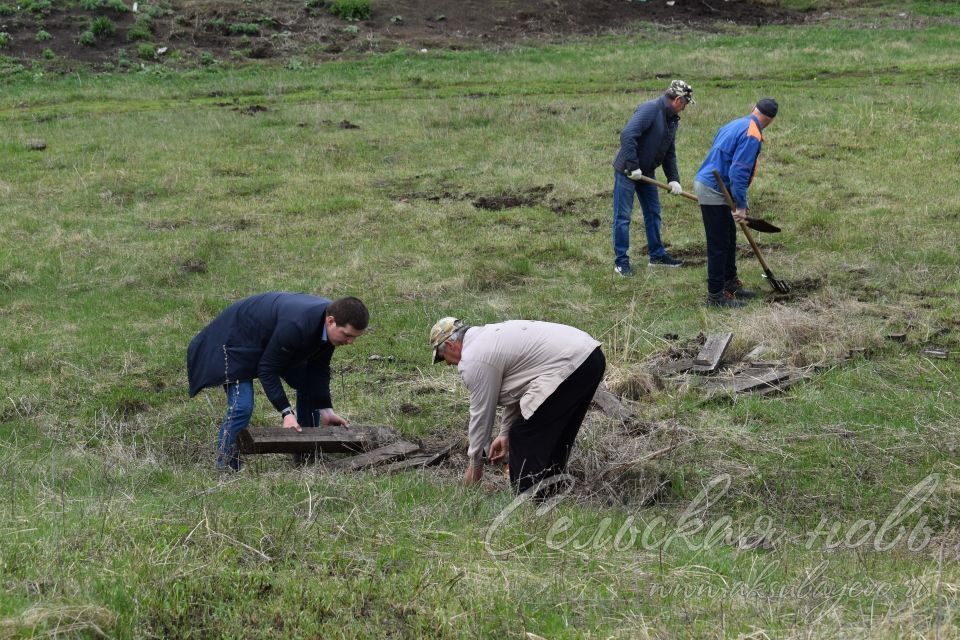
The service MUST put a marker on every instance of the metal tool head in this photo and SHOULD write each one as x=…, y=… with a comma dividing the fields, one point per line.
x=761, y=225
x=778, y=285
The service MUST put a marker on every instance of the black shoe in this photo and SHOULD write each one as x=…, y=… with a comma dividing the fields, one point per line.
x=724, y=300
x=664, y=261
x=736, y=289
x=624, y=270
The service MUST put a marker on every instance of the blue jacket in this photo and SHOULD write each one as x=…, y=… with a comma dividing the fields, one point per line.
x=734, y=154
x=262, y=337
x=648, y=140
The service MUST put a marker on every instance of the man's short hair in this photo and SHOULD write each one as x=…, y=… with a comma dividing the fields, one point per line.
x=349, y=311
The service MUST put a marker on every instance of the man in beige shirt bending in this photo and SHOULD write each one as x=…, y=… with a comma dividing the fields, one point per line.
x=543, y=374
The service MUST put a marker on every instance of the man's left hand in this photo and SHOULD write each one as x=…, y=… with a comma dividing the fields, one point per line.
x=329, y=418
x=473, y=474
x=675, y=188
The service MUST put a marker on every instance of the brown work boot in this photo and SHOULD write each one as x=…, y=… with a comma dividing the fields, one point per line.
x=724, y=299
x=736, y=289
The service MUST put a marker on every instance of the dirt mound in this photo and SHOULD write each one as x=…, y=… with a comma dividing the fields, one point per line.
x=110, y=34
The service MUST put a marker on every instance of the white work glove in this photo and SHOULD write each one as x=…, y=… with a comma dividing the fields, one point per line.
x=636, y=174
x=675, y=188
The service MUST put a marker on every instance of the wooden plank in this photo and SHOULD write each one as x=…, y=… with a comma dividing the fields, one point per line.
x=752, y=380
x=712, y=352
x=323, y=439
x=936, y=352
x=417, y=461
x=611, y=405
x=671, y=367
x=379, y=456
x=422, y=459
x=781, y=385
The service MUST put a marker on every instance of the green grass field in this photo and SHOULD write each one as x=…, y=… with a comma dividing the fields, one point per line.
x=164, y=195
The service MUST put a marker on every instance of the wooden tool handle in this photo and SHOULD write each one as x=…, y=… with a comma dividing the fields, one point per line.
x=665, y=187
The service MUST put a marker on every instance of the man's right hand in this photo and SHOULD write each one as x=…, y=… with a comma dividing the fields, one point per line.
x=740, y=215
x=636, y=174
x=290, y=422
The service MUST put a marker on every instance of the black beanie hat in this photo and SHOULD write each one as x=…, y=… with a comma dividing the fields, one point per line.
x=768, y=107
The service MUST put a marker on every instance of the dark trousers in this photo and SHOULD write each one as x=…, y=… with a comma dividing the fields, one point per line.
x=540, y=446
x=721, y=233
x=308, y=413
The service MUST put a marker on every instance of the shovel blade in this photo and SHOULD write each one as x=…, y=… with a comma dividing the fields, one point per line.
x=761, y=225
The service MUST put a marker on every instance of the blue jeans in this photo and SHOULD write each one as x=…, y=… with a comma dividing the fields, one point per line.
x=240, y=410
x=623, y=191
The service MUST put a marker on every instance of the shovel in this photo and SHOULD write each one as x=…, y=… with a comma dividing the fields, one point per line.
x=757, y=224
x=778, y=285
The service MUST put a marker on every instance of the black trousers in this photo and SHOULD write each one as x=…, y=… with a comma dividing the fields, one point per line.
x=540, y=446
x=721, y=233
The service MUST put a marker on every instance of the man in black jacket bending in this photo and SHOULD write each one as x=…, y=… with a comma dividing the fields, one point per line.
x=273, y=336
x=646, y=142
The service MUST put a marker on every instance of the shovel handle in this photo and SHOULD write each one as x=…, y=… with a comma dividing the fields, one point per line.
x=743, y=226
x=665, y=187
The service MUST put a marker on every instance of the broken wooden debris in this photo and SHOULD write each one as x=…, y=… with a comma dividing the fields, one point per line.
x=936, y=352
x=749, y=380
x=421, y=460
x=756, y=352
x=381, y=455
x=671, y=367
x=712, y=352
x=311, y=440
x=611, y=404
x=781, y=385
x=897, y=337
x=751, y=374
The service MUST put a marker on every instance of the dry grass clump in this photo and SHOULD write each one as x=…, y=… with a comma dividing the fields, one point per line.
x=618, y=462
x=57, y=621
x=812, y=331
x=632, y=383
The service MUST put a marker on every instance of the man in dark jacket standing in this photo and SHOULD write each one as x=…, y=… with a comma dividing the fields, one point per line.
x=273, y=336
x=646, y=143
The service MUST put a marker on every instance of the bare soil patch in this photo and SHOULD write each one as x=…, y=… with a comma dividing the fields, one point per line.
x=192, y=31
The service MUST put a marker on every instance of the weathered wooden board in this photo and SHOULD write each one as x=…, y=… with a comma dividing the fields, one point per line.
x=781, y=385
x=421, y=459
x=611, y=405
x=712, y=352
x=416, y=461
x=748, y=380
x=280, y=440
x=753, y=380
x=320, y=439
x=381, y=455
x=671, y=367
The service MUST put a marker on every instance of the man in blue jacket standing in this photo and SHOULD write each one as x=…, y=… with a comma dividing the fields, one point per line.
x=734, y=155
x=273, y=336
x=646, y=143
